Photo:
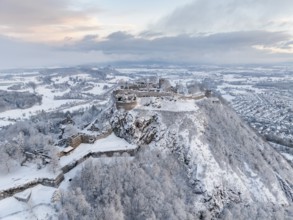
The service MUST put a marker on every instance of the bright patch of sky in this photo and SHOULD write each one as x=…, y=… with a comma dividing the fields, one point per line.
x=130, y=15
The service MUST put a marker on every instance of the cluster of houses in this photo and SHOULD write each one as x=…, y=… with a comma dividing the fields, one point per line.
x=269, y=114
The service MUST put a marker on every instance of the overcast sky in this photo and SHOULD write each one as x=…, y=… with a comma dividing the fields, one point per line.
x=39, y=33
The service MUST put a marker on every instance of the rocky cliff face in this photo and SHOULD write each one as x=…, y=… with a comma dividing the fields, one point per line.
x=136, y=129
x=235, y=174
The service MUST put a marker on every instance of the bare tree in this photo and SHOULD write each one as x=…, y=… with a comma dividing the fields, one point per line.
x=32, y=85
x=141, y=188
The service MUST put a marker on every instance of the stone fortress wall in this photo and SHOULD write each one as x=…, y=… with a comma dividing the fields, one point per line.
x=126, y=96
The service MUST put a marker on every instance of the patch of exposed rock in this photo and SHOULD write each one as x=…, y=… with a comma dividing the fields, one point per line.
x=135, y=128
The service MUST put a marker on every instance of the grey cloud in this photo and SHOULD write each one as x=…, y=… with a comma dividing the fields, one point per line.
x=151, y=34
x=287, y=45
x=18, y=54
x=211, y=16
x=121, y=42
x=221, y=47
x=119, y=35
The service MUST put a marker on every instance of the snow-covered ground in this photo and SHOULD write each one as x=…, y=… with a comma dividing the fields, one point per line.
x=288, y=156
x=98, y=88
x=48, y=104
x=208, y=169
x=117, y=79
x=22, y=176
x=40, y=202
x=39, y=206
x=48, y=94
x=167, y=105
x=25, y=174
x=110, y=143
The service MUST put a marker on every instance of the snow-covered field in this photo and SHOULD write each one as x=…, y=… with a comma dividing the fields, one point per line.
x=26, y=174
x=168, y=105
x=39, y=206
x=110, y=143
x=22, y=176
x=48, y=93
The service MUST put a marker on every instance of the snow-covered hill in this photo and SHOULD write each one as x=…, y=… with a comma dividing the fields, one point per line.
x=219, y=168
x=233, y=171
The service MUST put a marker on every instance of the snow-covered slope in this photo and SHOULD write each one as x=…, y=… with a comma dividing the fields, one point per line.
x=233, y=172
x=230, y=167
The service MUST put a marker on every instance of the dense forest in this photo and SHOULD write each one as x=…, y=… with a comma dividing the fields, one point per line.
x=152, y=185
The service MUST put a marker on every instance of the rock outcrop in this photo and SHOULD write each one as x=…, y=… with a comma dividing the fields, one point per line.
x=135, y=128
